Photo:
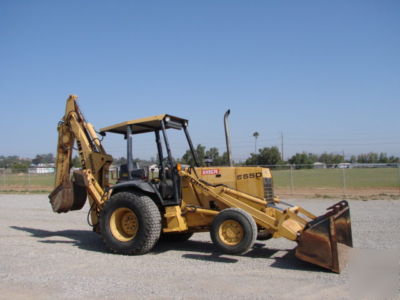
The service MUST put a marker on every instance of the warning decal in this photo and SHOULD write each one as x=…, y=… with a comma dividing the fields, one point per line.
x=210, y=172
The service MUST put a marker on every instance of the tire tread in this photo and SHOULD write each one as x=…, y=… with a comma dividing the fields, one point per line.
x=151, y=224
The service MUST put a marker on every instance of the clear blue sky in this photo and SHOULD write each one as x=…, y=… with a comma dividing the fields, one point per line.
x=325, y=73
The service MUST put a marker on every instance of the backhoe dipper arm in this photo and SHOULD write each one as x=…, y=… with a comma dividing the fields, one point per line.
x=93, y=178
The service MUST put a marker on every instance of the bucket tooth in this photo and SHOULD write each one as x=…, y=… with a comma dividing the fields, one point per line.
x=326, y=240
x=70, y=195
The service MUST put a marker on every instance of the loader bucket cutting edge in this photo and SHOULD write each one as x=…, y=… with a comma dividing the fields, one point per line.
x=327, y=239
x=70, y=195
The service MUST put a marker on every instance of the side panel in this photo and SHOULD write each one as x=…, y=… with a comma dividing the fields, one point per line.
x=249, y=180
x=218, y=175
x=214, y=176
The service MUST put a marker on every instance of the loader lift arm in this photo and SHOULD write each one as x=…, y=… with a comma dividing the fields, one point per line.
x=70, y=193
x=323, y=240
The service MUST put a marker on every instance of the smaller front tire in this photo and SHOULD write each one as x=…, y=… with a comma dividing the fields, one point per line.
x=233, y=231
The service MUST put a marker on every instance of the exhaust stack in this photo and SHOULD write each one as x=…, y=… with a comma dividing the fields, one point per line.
x=228, y=137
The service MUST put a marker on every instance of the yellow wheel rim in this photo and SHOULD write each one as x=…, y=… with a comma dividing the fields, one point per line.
x=124, y=224
x=231, y=232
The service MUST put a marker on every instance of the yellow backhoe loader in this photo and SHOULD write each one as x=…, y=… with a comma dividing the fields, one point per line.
x=235, y=204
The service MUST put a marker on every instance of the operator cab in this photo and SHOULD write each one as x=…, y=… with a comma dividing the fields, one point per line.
x=166, y=182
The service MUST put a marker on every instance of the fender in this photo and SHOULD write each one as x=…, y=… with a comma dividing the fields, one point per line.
x=140, y=185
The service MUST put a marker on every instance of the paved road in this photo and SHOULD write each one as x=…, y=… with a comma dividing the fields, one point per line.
x=46, y=255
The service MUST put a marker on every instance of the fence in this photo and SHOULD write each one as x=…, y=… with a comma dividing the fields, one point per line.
x=344, y=180
x=361, y=182
x=25, y=181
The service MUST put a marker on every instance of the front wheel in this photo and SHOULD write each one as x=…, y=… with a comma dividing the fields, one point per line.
x=130, y=223
x=233, y=231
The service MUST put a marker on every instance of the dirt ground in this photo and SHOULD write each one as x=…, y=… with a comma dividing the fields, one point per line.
x=46, y=255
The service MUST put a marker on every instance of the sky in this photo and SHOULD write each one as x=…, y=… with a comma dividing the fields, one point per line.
x=324, y=74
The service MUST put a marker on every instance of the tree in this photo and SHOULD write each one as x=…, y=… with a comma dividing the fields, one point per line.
x=43, y=159
x=187, y=158
x=21, y=165
x=217, y=160
x=303, y=160
x=224, y=160
x=49, y=158
x=203, y=153
x=331, y=158
x=368, y=158
x=383, y=159
x=8, y=161
x=14, y=162
x=266, y=156
x=372, y=158
x=76, y=162
x=252, y=160
x=256, y=135
x=120, y=161
x=37, y=160
x=213, y=154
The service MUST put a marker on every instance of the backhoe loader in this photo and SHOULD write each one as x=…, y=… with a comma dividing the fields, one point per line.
x=235, y=204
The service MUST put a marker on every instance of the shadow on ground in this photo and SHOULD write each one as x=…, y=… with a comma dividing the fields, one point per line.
x=202, y=250
x=196, y=250
x=83, y=239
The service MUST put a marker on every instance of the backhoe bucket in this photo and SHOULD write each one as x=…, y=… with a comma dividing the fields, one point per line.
x=70, y=195
x=327, y=239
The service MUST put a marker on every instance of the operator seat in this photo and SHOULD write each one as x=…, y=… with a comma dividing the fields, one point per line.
x=137, y=173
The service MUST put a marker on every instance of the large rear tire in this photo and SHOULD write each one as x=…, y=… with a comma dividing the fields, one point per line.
x=130, y=223
x=233, y=231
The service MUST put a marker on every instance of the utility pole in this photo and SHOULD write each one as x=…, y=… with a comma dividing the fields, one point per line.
x=282, y=145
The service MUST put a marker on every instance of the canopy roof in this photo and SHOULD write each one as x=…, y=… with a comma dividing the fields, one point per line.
x=145, y=124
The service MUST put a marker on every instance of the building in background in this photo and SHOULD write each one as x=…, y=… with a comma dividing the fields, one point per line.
x=42, y=169
x=319, y=165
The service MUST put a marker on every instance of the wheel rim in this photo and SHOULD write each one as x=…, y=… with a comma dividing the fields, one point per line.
x=124, y=224
x=231, y=232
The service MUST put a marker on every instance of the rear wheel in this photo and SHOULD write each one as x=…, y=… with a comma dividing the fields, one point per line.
x=233, y=231
x=130, y=223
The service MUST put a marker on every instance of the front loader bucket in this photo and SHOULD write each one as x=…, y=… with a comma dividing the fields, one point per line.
x=70, y=195
x=326, y=240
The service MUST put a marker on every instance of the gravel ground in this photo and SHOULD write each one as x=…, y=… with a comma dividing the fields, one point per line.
x=46, y=255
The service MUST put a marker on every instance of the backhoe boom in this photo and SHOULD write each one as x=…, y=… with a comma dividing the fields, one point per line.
x=71, y=191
